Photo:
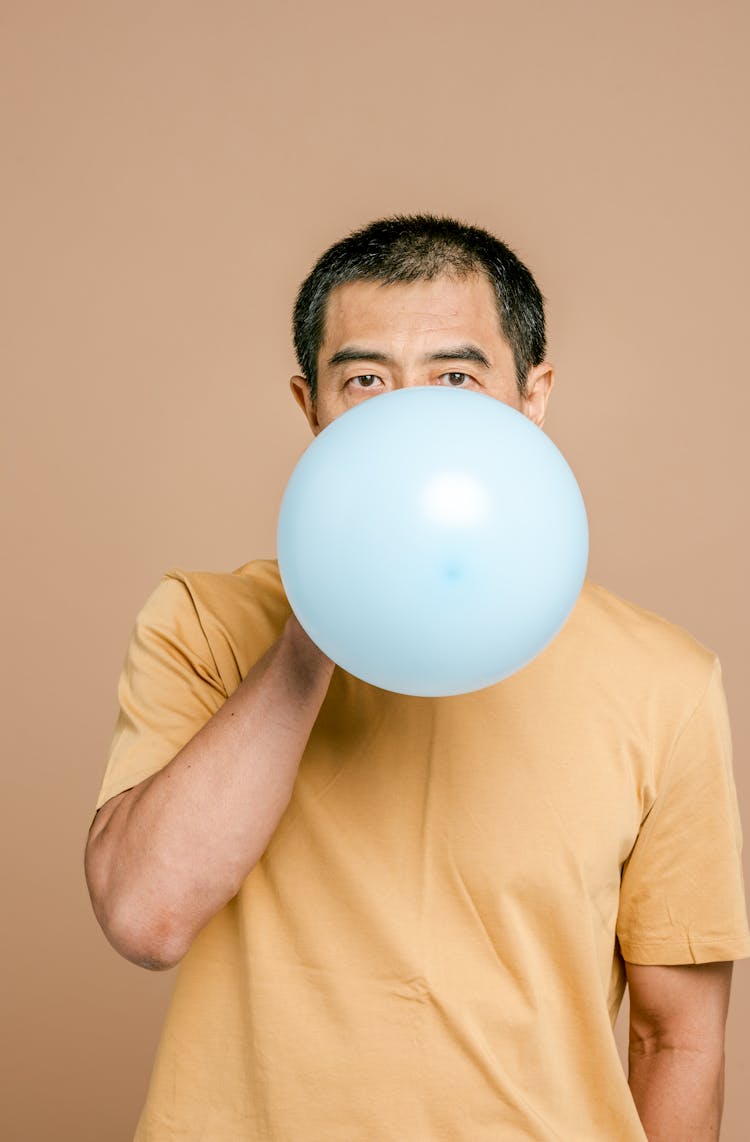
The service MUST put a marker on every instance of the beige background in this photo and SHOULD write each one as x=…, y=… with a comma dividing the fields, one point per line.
x=170, y=172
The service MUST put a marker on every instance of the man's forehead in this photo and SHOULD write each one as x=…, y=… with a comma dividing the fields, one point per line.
x=417, y=307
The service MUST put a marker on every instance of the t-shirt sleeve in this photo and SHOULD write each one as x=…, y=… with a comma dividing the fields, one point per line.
x=682, y=895
x=169, y=687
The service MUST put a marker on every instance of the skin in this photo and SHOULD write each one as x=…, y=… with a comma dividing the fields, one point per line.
x=163, y=857
x=678, y=1017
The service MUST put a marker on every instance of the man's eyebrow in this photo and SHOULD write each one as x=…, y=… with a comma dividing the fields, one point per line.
x=460, y=353
x=355, y=353
x=450, y=353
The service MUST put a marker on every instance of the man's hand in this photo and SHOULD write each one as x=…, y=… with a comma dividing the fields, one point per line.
x=164, y=857
x=676, y=1049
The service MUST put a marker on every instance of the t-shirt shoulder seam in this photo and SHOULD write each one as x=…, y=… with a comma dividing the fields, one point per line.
x=182, y=576
x=665, y=769
x=714, y=666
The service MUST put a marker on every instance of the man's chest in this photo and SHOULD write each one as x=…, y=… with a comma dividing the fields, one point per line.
x=409, y=817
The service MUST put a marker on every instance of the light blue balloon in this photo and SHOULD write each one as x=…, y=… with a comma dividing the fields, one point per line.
x=432, y=541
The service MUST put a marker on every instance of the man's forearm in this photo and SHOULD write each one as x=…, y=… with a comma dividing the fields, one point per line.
x=173, y=850
x=678, y=1092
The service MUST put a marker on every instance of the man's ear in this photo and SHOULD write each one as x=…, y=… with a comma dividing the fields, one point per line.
x=301, y=392
x=539, y=384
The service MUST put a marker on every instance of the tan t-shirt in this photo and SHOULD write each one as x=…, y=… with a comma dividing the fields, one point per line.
x=431, y=948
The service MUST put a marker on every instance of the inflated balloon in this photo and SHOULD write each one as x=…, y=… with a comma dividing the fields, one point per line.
x=432, y=541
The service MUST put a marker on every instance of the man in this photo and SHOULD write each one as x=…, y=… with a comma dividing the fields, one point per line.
x=406, y=919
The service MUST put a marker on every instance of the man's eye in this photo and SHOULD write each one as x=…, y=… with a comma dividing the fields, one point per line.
x=365, y=381
x=456, y=379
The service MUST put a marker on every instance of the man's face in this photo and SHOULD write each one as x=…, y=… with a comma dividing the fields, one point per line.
x=440, y=332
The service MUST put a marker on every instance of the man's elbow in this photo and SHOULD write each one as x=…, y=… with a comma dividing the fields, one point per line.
x=147, y=937
x=153, y=943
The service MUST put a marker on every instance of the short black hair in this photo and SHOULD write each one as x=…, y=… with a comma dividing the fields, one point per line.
x=414, y=247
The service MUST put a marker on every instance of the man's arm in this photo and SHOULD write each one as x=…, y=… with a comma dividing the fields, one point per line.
x=165, y=856
x=676, y=1048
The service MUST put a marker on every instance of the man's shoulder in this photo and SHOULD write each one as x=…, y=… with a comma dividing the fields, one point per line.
x=228, y=599
x=256, y=578
x=638, y=637
x=237, y=614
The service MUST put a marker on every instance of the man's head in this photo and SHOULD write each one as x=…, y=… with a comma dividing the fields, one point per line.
x=419, y=300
